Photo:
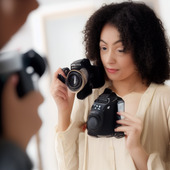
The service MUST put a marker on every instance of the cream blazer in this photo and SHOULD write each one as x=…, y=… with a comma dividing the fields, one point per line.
x=76, y=150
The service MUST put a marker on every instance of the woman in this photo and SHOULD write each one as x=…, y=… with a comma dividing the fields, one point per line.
x=128, y=40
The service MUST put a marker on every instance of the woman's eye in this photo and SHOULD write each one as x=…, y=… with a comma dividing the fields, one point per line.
x=121, y=50
x=103, y=48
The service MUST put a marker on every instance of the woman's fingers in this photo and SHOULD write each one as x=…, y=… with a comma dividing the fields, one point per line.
x=130, y=124
x=128, y=116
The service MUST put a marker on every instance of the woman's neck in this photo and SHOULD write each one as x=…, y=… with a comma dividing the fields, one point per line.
x=125, y=87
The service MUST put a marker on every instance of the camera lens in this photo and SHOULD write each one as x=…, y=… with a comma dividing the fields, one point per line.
x=74, y=81
x=92, y=124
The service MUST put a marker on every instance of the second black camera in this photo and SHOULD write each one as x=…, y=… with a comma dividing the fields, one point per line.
x=103, y=115
x=29, y=66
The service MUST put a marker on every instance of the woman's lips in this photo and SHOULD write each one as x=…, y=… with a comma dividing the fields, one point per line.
x=110, y=70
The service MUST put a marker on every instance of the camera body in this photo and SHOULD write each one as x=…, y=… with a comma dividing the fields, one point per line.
x=28, y=66
x=103, y=115
x=83, y=77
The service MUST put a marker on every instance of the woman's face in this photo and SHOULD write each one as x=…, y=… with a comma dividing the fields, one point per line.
x=117, y=62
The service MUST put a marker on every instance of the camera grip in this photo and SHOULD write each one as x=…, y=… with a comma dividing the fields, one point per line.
x=61, y=78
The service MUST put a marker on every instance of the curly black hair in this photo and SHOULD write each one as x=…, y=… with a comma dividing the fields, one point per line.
x=141, y=32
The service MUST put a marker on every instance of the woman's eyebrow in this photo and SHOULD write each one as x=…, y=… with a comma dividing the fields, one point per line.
x=118, y=41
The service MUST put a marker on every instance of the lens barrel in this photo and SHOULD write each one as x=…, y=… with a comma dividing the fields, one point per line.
x=76, y=79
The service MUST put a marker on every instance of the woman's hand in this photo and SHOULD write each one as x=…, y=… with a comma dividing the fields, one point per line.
x=64, y=100
x=132, y=127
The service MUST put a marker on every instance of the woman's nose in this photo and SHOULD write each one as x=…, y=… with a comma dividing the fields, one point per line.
x=111, y=58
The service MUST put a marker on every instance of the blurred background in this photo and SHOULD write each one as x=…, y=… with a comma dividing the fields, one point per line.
x=54, y=30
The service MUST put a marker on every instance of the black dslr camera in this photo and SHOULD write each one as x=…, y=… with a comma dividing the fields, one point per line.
x=103, y=115
x=29, y=67
x=83, y=77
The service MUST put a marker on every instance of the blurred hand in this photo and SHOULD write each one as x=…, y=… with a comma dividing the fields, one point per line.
x=19, y=115
x=17, y=7
x=13, y=14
